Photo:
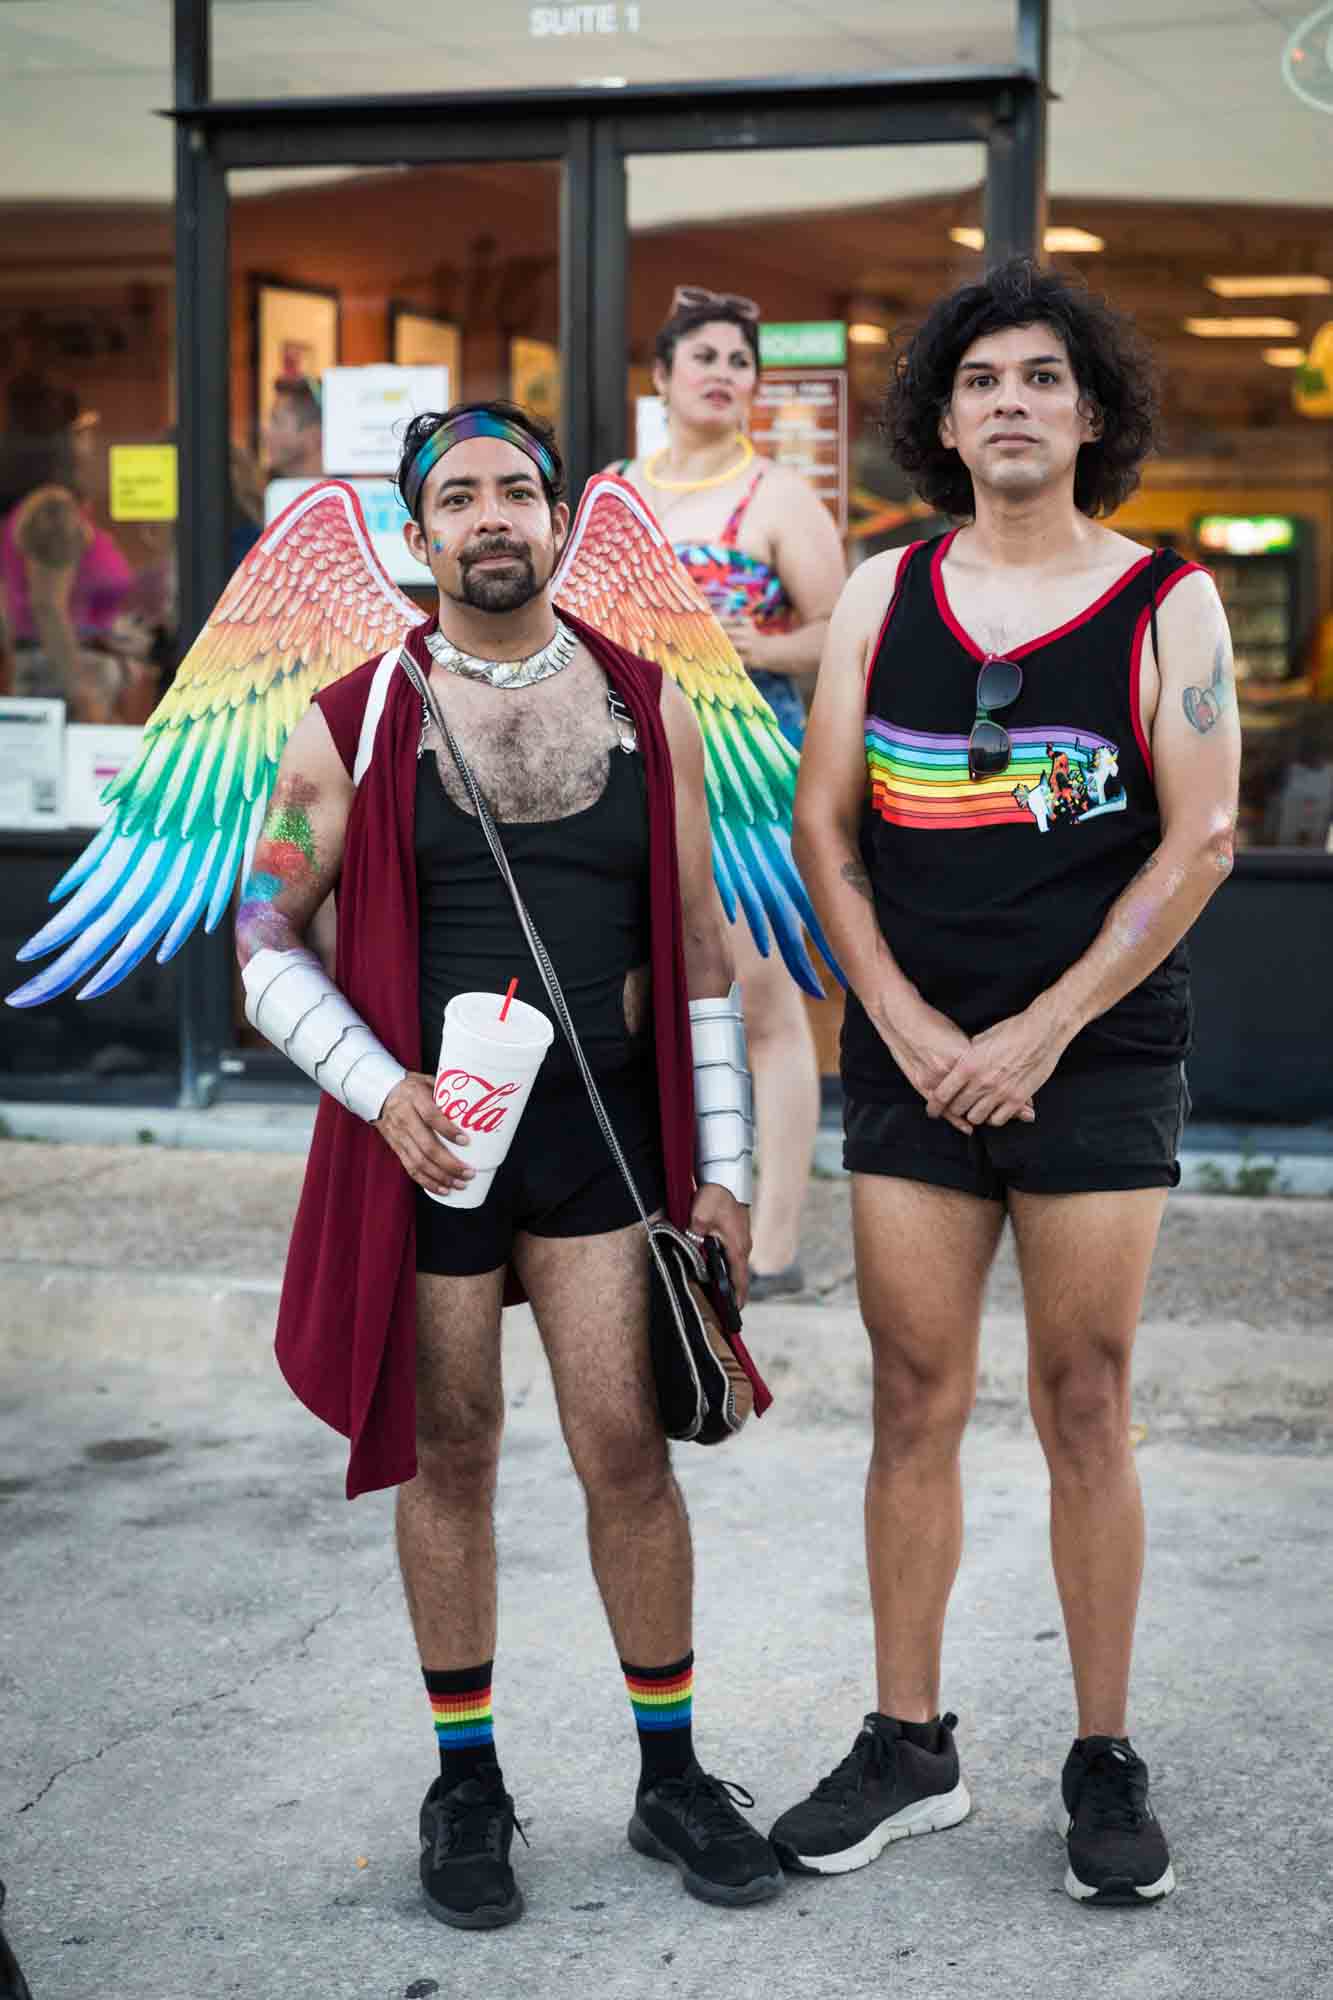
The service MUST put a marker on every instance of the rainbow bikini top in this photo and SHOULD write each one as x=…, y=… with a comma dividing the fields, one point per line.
x=734, y=582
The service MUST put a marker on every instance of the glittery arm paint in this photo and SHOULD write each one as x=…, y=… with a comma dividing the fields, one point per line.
x=292, y=874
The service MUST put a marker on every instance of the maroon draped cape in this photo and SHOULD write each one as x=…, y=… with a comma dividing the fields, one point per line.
x=346, y=1337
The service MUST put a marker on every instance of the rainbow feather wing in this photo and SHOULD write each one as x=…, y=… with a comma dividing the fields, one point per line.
x=621, y=575
x=310, y=602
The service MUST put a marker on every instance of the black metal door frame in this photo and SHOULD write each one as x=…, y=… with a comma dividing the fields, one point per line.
x=592, y=134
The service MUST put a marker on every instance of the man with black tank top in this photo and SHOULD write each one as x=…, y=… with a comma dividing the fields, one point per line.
x=592, y=766
x=1018, y=792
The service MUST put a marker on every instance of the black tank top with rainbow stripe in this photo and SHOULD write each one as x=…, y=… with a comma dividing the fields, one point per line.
x=987, y=891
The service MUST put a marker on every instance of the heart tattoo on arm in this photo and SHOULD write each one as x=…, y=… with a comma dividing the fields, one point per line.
x=1203, y=705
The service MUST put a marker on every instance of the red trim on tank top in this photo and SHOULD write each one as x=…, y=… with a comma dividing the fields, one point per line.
x=966, y=640
x=907, y=555
x=1164, y=590
x=737, y=514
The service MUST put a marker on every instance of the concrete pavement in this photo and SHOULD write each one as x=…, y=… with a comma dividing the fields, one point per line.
x=214, y=1739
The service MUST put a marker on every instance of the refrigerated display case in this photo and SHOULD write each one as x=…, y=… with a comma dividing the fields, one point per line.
x=1264, y=568
x=1263, y=565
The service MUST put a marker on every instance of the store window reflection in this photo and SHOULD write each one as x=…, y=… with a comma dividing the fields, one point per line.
x=87, y=592
x=81, y=607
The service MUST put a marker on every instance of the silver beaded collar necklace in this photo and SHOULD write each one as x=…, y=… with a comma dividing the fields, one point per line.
x=552, y=659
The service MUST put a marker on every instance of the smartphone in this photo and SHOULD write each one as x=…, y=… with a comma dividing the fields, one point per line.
x=719, y=1281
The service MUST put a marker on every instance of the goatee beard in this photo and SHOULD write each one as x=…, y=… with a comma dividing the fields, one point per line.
x=502, y=591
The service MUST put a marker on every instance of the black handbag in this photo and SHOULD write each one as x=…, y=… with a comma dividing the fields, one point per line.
x=707, y=1385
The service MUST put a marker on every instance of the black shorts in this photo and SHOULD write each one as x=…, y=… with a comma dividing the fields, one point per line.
x=557, y=1179
x=1096, y=1131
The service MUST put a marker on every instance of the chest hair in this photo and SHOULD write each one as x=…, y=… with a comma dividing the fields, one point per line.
x=537, y=753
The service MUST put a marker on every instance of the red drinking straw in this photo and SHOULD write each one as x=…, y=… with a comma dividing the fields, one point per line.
x=513, y=985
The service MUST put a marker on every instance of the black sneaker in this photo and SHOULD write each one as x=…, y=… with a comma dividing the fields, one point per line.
x=692, y=1823
x=1117, y=1850
x=885, y=1788
x=466, y=1835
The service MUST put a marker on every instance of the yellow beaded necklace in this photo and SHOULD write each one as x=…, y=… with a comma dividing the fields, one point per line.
x=696, y=485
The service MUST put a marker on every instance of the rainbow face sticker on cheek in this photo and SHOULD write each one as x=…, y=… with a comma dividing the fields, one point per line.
x=436, y=546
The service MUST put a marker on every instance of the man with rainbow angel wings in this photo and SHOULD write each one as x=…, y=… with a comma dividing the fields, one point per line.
x=609, y=725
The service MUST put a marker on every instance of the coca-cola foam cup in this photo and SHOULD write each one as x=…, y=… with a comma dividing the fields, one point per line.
x=486, y=1072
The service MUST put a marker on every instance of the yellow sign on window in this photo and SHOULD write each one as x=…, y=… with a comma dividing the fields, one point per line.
x=1312, y=390
x=143, y=482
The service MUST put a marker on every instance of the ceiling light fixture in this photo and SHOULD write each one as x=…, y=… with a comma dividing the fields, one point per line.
x=864, y=333
x=1285, y=357
x=1292, y=286
x=1060, y=236
x=1253, y=327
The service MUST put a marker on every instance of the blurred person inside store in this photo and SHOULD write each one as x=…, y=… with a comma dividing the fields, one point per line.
x=765, y=552
x=293, y=441
x=155, y=597
x=65, y=583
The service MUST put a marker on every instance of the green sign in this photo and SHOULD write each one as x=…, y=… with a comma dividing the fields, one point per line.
x=811, y=343
x=1245, y=534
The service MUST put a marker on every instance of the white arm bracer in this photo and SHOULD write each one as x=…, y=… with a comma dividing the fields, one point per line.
x=723, y=1099
x=295, y=1005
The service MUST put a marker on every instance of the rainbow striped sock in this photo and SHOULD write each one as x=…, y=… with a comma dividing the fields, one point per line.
x=663, y=1702
x=460, y=1702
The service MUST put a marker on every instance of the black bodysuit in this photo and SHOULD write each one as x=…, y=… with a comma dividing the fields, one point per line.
x=584, y=879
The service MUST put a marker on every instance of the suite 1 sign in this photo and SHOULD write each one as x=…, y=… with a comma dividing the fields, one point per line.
x=601, y=17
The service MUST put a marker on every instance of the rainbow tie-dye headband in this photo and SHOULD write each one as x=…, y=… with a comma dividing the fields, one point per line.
x=472, y=424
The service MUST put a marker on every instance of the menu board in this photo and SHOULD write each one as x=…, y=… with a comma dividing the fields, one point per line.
x=799, y=418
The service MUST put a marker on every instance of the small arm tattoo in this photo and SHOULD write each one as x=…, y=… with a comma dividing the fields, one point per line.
x=855, y=876
x=1203, y=705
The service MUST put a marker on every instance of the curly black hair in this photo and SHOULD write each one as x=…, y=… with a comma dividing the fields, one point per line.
x=1112, y=365
x=429, y=421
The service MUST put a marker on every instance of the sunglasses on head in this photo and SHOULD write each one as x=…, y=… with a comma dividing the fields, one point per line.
x=686, y=297
x=990, y=746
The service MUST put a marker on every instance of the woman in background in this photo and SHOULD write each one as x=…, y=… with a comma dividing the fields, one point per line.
x=765, y=552
x=64, y=581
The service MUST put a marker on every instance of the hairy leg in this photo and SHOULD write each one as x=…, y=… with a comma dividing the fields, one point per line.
x=922, y=1254
x=590, y=1297
x=1085, y=1260
x=786, y=1098
x=446, y=1535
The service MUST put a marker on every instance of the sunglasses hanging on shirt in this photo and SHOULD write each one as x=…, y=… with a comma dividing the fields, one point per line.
x=990, y=746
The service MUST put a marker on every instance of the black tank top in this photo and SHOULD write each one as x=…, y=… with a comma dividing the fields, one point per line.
x=584, y=879
x=987, y=892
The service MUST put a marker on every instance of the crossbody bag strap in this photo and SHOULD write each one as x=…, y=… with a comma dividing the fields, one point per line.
x=554, y=992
